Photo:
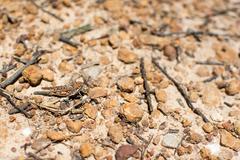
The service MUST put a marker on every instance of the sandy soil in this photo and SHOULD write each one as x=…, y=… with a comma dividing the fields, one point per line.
x=196, y=42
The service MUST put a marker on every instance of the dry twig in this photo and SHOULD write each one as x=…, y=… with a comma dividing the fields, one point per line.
x=11, y=101
x=44, y=147
x=46, y=11
x=145, y=147
x=210, y=79
x=67, y=35
x=146, y=86
x=18, y=73
x=208, y=18
x=7, y=68
x=181, y=90
x=210, y=63
x=194, y=33
x=25, y=106
x=220, y=12
x=34, y=156
x=18, y=59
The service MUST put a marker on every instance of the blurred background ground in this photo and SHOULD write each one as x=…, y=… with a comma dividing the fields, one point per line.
x=197, y=42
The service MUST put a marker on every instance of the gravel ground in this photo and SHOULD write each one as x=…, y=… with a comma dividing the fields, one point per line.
x=111, y=79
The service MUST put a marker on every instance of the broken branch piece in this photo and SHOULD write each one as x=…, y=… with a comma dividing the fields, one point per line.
x=181, y=90
x=146, y=86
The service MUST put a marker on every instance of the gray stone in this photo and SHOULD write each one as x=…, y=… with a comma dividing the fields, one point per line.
x=171, y=140
x=217, y=117
x=93, y=71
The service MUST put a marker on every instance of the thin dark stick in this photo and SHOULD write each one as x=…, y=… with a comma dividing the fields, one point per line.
x=132, y=21
x=221, y=12
x=67, y=35
x=10, y=19
x=46, y=11
x=18, y=74
x=162, y=111
x=44, y=147
x=228, y=104
x=100, y=1
x=172, y=131
x=18, y=59
x=34, y=156
x=195, y=34
x=106, y=144
x=11, y=101
x=209, y=63
x=146, y=86
x=145, y=148
x=8, y=68
x=68, y=41
x=210, y=79
x=25, y=106
x=181, y=90
x=179, y=50
x=141, y=138
x=76, y=31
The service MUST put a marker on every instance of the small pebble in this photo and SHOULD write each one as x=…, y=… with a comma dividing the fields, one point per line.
x=13, y=149
x=216, y=116
x=228, y=140
x=20, y=50
x=170, y=52
x=110, y=103
x=126, y=56
x=233, y=87
x=97, y=92
x=62, y=126
x=86, y=149
x=56, y=135
x=193, y=96
x=237, y=127
x=171, y=140
x=74, y=126
x=207, y=127
x=211, y=96
x=33, y=75
x=65, y=67
x=195, y=138
x=156, y=139
x=126, y=84
x=186, y=122
x=48, y=75
x=115, y=132
x=202, y=71
x=161, y=95
x=90, y=110
x=132, y=112
x=44, y=59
